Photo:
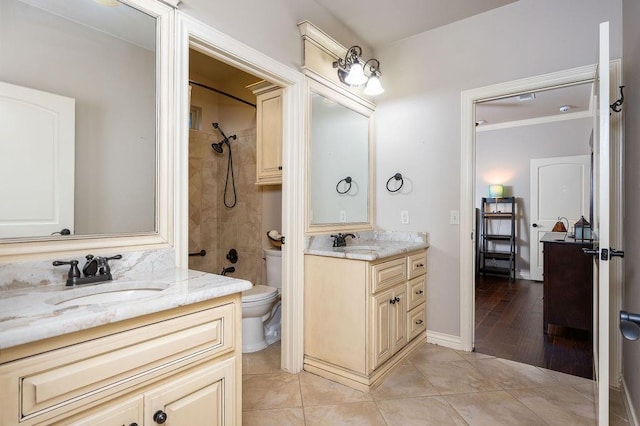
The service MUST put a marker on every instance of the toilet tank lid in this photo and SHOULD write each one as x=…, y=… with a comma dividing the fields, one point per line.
x=258, y=292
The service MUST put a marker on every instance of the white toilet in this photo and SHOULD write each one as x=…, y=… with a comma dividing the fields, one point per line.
x=261, y=303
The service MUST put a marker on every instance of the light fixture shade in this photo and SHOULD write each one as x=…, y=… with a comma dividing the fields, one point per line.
x=373, y=86
x=356, y=75
x=496, y=191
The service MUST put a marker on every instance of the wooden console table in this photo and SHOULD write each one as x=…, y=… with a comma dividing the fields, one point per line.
x=568, y=282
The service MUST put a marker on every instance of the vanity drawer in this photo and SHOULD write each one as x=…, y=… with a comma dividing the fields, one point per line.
x=416, y=292
x=387, y=274
x=118, y=361
x=417, y=264
x=416, y=321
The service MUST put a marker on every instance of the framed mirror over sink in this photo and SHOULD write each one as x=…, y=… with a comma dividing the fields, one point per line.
x=340, y=162
x=85, y=158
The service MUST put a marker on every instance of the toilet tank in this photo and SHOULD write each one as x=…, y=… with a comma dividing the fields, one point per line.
x=274, y=267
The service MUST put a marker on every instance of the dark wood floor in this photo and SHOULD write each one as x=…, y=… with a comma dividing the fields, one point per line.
x=509, y=326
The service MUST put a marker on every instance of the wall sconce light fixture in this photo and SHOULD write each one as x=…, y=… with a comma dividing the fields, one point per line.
x=353, y=70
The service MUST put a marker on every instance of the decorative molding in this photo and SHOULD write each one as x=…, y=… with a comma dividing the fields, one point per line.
x=535, y=121
x=446, y=340
x=194, y=34
x=628, y=404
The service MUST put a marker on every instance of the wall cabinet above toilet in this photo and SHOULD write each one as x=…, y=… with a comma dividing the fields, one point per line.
x=268, y=133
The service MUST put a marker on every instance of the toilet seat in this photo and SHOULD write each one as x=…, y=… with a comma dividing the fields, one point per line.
x=259, y=293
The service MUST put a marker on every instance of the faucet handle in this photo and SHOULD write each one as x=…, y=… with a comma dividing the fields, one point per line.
x=74, y=272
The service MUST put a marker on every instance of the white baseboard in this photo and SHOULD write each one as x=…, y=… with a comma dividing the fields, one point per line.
x=524, y=275
x=631, y=411
x=446, y=340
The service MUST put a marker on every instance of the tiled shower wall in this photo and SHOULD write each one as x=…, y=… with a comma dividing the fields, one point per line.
x=214, y=227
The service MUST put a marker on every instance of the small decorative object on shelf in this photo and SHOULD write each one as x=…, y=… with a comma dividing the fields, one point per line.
x=582, y=230
x=496, y=191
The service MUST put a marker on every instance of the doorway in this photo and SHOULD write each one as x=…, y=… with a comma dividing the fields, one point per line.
x=517, y=132
x=468, y=229
x=192, y=34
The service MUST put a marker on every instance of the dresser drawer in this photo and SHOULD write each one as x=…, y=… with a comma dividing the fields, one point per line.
x=417, y=264
x=416, y=321
x=118, y=361
x=389, y=273
x=416, y=293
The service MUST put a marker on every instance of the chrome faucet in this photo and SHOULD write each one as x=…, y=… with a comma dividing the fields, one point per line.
x=96, y=269
x=339, y=240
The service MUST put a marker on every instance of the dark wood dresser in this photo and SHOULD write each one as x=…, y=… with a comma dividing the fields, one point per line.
x=568, y=283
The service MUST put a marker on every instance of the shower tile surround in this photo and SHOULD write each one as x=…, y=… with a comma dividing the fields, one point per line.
x=215, y=227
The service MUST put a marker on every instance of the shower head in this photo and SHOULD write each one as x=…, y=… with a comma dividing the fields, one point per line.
x=217, y=147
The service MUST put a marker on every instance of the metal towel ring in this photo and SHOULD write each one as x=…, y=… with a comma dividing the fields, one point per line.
x=347, y=185
x=397, y=176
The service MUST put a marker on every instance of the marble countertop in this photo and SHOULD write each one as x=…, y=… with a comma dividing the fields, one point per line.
x=368, y=249
x=40, y=312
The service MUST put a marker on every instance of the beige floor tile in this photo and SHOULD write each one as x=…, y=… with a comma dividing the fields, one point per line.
x=405, y=381
x=434, y=353
x=456, y=377
x=558, y=405
x=262, y=391
x=568, y=379
x=262, y=362
x=317, y=390
x=355, y=413
x=492, y=408
x=433, y=410
x=278, y=417
x=473, y=356
x=514, y=375
x=587, y=390
x=616, y=405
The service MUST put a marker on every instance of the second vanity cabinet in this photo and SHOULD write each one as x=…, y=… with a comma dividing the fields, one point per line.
x=181, y=366
x=363, y=317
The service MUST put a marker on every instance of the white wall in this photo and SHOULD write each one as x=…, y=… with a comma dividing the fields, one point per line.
x=631, y=302
x=418, y=117
x=504, y=155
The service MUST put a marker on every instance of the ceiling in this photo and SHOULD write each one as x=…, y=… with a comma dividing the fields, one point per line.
x=380, y=22
x=546, y=103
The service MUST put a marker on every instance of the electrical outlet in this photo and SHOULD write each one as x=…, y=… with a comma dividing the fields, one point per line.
x=343, y=216
x=454, y=217
x=404, y=217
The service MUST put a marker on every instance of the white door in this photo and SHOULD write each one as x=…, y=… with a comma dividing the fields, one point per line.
x=601, y=228
x=560, y=187
x=37, y=162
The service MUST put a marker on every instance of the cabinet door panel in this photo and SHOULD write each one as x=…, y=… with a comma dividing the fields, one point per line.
x=388, y=274
x=122, y=412
x=416, y=292
x=417, y=264
x=201, y=398
x=382, y=343
x=399, y=319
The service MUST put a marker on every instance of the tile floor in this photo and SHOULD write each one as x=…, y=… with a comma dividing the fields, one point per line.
x=436, y=385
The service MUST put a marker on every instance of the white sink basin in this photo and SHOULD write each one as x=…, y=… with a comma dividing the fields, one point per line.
x=95, y=296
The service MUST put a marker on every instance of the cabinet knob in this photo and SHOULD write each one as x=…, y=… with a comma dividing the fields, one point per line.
x=160, y=417
x=134, y=424
x=279, y=167
x=419, y=265
x=397, y=299
x=419, y=321
x=419, y=292
x=392, y=301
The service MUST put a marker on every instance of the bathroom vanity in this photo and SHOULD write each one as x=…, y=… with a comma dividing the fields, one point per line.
x=142, y=352
x=365, y=310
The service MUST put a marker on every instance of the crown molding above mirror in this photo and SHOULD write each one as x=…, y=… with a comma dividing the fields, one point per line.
x=160, y=233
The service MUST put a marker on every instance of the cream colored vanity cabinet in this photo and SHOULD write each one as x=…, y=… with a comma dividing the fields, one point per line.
x=362, y=317
x=268, y=133
x=181, y=366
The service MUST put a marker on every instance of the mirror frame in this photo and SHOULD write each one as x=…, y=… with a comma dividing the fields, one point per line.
x=44, y=247
x=323, y=87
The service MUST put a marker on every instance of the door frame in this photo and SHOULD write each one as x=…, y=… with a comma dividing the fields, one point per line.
x=469, y=98
x=191, y=33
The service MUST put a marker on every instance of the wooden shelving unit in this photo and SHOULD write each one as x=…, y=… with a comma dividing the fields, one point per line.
x=497, y=248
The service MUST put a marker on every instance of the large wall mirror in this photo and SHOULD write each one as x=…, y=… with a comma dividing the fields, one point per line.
x=340, y=162
x=84, y=100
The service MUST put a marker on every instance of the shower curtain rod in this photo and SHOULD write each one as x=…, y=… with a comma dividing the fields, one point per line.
x=195, y=83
